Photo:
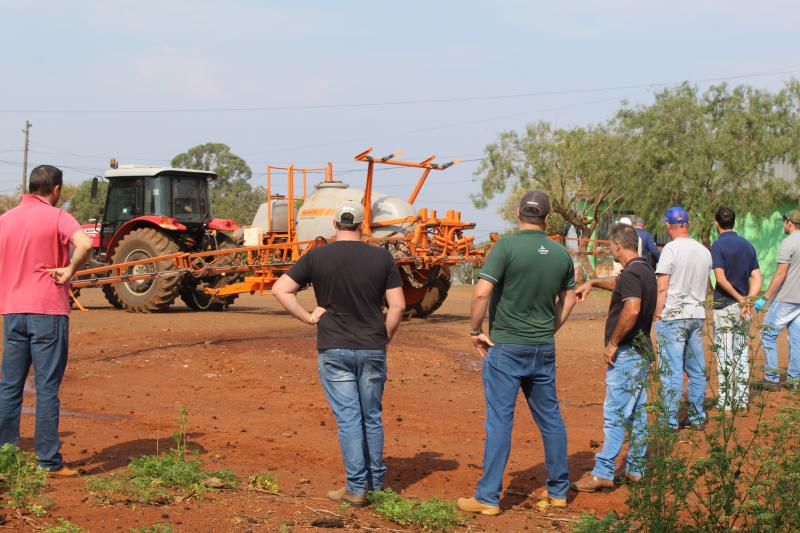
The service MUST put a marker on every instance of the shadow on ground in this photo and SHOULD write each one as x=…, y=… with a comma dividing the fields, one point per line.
x=119, y=455
x=525, y=482
x=405, y=471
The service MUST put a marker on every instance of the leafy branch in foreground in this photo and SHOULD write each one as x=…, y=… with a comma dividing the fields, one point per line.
x=741, y=472
x=174, y=475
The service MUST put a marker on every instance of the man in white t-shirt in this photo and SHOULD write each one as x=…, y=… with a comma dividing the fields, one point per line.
x=683, y=282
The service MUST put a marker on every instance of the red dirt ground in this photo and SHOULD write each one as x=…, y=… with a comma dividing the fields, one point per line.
x=248, y=380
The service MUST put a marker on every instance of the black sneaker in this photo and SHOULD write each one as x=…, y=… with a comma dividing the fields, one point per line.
x=793, y=385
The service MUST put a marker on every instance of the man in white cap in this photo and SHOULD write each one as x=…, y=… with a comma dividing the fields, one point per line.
x=617, y=265
x=351, y=279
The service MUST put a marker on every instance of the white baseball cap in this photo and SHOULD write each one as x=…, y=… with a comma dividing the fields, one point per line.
x=355, y=209
x=625, y=220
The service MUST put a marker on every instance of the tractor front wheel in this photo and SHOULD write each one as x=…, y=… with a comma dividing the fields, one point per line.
x=150, y=290
x=192, y=291
x=111, y=296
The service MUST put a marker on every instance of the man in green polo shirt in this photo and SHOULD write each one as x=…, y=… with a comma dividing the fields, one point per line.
x=528, y=285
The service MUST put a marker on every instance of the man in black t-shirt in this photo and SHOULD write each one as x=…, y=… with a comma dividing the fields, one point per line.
x=351, y=281
x=628, y=353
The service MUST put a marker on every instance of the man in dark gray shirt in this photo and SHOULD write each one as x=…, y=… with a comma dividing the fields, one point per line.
x=351, y=280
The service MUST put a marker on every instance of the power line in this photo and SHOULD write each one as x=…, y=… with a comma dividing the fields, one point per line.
x=791, y=70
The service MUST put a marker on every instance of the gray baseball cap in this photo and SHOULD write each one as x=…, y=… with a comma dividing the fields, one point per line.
x=534, y=203
x=352, y=208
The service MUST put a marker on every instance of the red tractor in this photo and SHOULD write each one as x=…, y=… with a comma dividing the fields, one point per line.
x=156, y=211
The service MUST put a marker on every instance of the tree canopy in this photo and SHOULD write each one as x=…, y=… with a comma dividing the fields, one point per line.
x=77, y=199
x=699, y=150
x=232, y=195
x=218, y=158
x=722, y=147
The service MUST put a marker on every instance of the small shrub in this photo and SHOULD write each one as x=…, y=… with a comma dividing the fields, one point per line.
x=608, y=524
x=264, y=482
x=20, y=476
x=156, y=479
x=64, y=526
x=430, y=515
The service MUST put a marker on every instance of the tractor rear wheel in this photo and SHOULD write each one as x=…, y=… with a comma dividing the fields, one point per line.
x=155, y=293
x=193, y=290
x=435, y=294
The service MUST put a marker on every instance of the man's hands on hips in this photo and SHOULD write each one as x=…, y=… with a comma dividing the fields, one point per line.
x=609, y=354
x=316, y=315
x=482, y=343
x=61, y=275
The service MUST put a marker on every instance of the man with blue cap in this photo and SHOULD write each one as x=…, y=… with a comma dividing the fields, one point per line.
x=683, y=283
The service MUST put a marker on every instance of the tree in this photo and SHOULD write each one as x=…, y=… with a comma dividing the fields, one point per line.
x=232, y=194
x=238, y=201
x=584, y=170
x=217, y=158
x=8, y=201
x=77, y=199
x=718, y=148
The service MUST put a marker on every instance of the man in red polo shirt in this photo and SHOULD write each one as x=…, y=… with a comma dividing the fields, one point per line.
x=35, y=269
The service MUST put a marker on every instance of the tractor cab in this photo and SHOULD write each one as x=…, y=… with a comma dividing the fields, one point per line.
x=172, y=199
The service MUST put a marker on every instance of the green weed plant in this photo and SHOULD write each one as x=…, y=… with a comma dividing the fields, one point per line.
x=264, y=482
x=430, y=515
x=21, y=478
x=64, y=526
x=173, y=475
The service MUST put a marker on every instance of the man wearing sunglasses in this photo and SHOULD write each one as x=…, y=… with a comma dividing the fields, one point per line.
x=784, y=310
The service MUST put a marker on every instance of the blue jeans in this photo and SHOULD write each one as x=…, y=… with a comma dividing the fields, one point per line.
x=353, y=381
x=781, y=315
x=624, y=408
x=506, y=369
x=680, y=346
x=42, y=340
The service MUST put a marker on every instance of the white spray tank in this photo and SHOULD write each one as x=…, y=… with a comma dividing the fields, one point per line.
x=278, y=215
x=315, y=217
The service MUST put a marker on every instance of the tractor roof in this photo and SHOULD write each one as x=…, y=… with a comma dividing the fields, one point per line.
x=137, y=171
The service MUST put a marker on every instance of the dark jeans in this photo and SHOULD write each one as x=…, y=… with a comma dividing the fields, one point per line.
x=353, y=381
x=506, y=369
x=41, y=340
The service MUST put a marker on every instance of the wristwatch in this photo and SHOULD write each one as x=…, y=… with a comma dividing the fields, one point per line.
x=474, y=333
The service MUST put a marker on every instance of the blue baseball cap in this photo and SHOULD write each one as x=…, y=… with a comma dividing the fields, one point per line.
x=677, y=215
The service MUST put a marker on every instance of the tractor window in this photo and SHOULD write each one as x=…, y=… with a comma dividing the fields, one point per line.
x=123, y=200
x=190, y=198
x=157, y=196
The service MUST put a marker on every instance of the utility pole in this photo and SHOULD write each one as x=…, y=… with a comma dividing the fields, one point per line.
x=27, y=132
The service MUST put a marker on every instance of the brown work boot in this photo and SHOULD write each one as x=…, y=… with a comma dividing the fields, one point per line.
x=546, y=502
x=343, y=495
x=471, y=505
x=64, y=471
x=591, y=483
x=632, y=478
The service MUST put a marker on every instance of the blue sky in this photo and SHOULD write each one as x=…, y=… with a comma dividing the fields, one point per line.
x=146, y=55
